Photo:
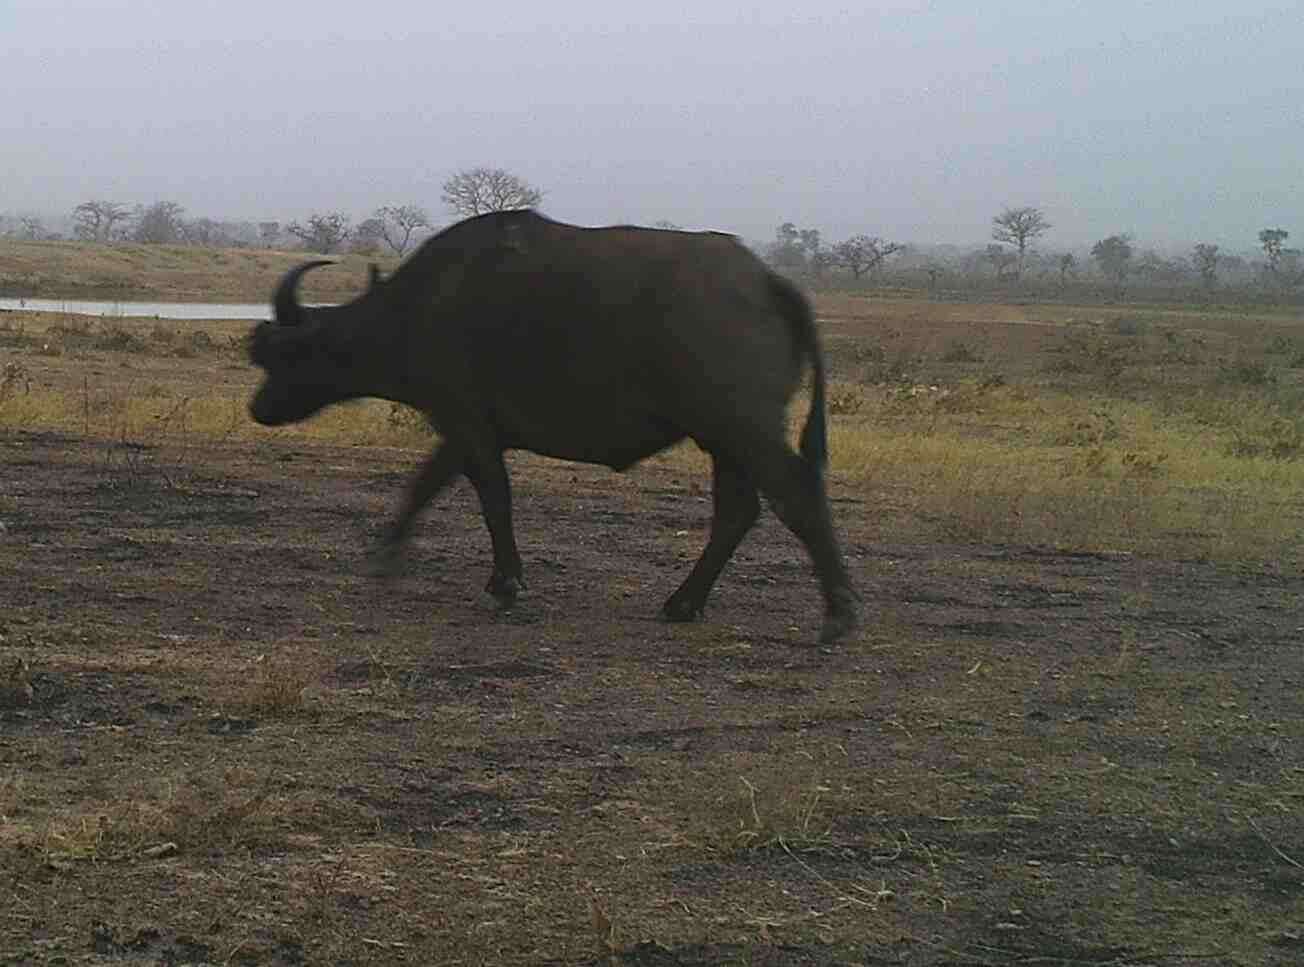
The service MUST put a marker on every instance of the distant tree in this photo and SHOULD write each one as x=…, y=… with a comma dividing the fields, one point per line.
x=397, y=223
x=1019, y=227
x=1001, y=260
x=1205, y=258
x=1114, y=256
x=1232, y=263
x=367, y=237
x=1285, y=266
x=1273, y=241
x=475, y=191
x=863, y=253
x=95, y=220
x=817, y=257
x=323, y=233
x=1066, y=263
x=1153, y=267
x=206, y=233
x=1290, y=270
x=810, y=241
x=31, y=228
x=667, y=226
x=269, y=233
x=785, y=252
x=158, y=224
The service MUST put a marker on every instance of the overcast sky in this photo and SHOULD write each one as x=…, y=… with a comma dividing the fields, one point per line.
x=1176, y=122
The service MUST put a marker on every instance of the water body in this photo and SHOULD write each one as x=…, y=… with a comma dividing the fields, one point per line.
x=149, y=310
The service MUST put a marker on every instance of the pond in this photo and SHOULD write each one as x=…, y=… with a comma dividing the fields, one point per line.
x=159, y=310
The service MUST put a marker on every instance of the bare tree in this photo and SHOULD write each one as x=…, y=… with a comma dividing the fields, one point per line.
x=269, y=233
x=667, y=226
x=324, y=232
x=1019, y=227
x=1205, y=258
x=863, y=253
x=31, y=228
x=475, y=191
x=397, y=223
x=94, y=221
x=159, y=224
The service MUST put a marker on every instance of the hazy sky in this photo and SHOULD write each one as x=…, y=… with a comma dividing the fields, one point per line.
x=1174, y=121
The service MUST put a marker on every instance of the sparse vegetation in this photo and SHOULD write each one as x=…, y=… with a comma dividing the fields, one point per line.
x=165, y=272
x=1069, y=518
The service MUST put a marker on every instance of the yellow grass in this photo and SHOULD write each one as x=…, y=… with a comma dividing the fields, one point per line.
x=1093, y=474
x=1177, y=433
x=167, y=272
x=150, y=420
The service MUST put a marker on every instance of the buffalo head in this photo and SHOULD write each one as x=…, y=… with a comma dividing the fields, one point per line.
x=305, y=354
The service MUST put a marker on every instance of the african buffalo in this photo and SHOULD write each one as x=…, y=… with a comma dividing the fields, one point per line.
x=600, y=345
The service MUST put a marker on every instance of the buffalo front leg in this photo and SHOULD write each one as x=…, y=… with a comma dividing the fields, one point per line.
x=440, y=468
x=735, y=509
x=489, y=475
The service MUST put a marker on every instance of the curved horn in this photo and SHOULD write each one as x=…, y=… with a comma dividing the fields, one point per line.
x=285, y=305
x=374, y=276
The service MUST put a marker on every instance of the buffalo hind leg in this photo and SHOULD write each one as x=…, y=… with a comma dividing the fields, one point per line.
x=736, y=507
x=440, y=468
x=795, y=491
x=489, y=475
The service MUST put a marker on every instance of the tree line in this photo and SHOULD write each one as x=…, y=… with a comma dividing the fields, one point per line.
x=394, y=228
x=1011, y=257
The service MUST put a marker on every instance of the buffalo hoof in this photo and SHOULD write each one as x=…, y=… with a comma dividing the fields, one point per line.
x=505, y=589
x=386, y=561
x=842, y=617
x=681, y=609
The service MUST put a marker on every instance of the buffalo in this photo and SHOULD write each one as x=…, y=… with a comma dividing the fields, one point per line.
x=600, y=345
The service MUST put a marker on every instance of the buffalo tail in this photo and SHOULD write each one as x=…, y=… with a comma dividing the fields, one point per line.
x=795, y=307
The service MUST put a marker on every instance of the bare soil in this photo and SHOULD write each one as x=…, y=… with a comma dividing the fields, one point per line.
x=221, y=743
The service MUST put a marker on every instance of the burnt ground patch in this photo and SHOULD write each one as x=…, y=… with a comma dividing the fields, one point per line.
x=220, y=742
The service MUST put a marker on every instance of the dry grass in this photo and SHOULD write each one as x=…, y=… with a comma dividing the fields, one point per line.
x=165, y=272
x=1170, y=433
x=303, y=768
x=294, y=767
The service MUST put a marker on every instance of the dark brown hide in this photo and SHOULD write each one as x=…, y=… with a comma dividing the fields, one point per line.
x=512, y=331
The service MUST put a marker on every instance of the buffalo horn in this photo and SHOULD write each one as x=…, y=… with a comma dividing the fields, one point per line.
x=285, y=304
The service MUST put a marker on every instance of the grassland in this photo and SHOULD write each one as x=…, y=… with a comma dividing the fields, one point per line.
x=166, y=273
x=1070, y=733
x=1179, y=432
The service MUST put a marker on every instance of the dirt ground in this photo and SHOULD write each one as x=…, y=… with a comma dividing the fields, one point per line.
x=221, y=743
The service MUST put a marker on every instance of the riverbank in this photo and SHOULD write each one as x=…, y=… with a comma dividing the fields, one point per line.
x=166, y=273
x=114, y=309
